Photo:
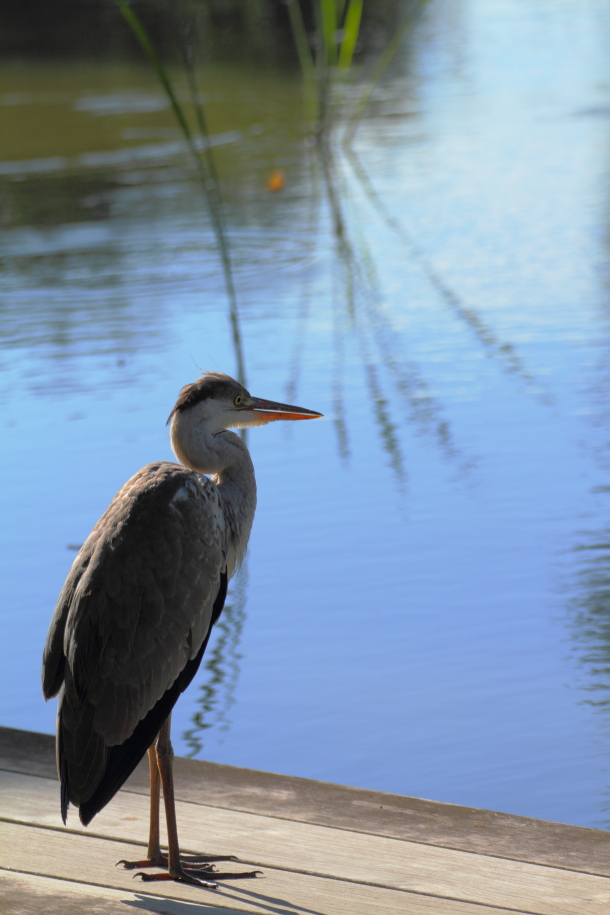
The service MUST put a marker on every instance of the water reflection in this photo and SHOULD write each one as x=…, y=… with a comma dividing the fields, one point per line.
x=188, y=38
x=103, y=291
x=592, y=618
x=590, y=612
x=358, y=306
x=221, y=665
x=502, y=350
x=358, y=279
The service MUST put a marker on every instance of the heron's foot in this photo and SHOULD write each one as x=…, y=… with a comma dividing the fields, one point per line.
x=194, y=876
x=182, y=877
x=161, y=860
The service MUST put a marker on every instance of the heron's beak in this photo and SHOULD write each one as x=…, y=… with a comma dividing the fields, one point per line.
x=268, y=410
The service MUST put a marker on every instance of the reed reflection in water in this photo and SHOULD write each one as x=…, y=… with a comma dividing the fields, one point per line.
x=358, y=312
x=355, y=307
x=590, y=621
x=221, y=664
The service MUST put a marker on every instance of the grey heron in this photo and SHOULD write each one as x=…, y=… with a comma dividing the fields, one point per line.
x=135, y=614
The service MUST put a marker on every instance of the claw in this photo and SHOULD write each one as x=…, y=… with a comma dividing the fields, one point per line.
x=129, y=865
x=183, y=878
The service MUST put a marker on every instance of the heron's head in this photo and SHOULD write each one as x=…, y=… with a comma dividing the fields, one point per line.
x=220, y=402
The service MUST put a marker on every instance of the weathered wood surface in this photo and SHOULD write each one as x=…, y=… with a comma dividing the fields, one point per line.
x=429, y=822
x=322, y=848
x=25, y=894
x=282, y=845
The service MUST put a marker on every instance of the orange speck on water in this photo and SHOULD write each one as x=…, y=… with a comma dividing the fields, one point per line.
x=276, y=180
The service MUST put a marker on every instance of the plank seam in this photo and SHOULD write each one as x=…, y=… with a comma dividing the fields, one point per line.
x=362, y=832
x=482, y=905
x=102, y=886
x=271, y=816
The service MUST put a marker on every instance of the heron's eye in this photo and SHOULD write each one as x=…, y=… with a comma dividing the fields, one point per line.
x=238, y=400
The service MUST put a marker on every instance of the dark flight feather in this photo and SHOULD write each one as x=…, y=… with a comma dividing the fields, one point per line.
x=123, y=759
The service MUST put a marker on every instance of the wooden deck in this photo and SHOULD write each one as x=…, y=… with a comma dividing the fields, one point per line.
x=324, y=849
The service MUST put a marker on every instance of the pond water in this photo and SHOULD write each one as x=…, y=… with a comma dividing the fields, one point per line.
x=425, y=607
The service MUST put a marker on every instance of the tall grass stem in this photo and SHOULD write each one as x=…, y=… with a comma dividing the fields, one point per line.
x=205, y=164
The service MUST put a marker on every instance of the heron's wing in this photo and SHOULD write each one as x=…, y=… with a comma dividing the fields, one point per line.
x=121, y=760
x=53, y=658
x=139, y=612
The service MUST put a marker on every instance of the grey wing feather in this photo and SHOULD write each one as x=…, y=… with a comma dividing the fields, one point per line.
x=53, y=659
x=135, y=609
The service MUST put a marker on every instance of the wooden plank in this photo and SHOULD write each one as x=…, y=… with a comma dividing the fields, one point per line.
x=27, y=751
x=271, y=843
x=432, y=823
x=26, y=894
x=86, y=859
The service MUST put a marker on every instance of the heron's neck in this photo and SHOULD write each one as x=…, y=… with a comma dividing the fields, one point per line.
x=225, y=457
x=237, y=486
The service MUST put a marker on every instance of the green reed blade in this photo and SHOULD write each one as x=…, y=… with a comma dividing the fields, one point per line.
x=340, y=4
x=212, y=191
x=205, y=167
x=381, y=66
x=351, y=30
x=145, y=43
x=305, y=59
x=328, y=19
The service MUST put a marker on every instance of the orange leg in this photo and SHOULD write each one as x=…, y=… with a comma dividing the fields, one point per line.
x=154, y=857
x=154, y=846
x=183, y=868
